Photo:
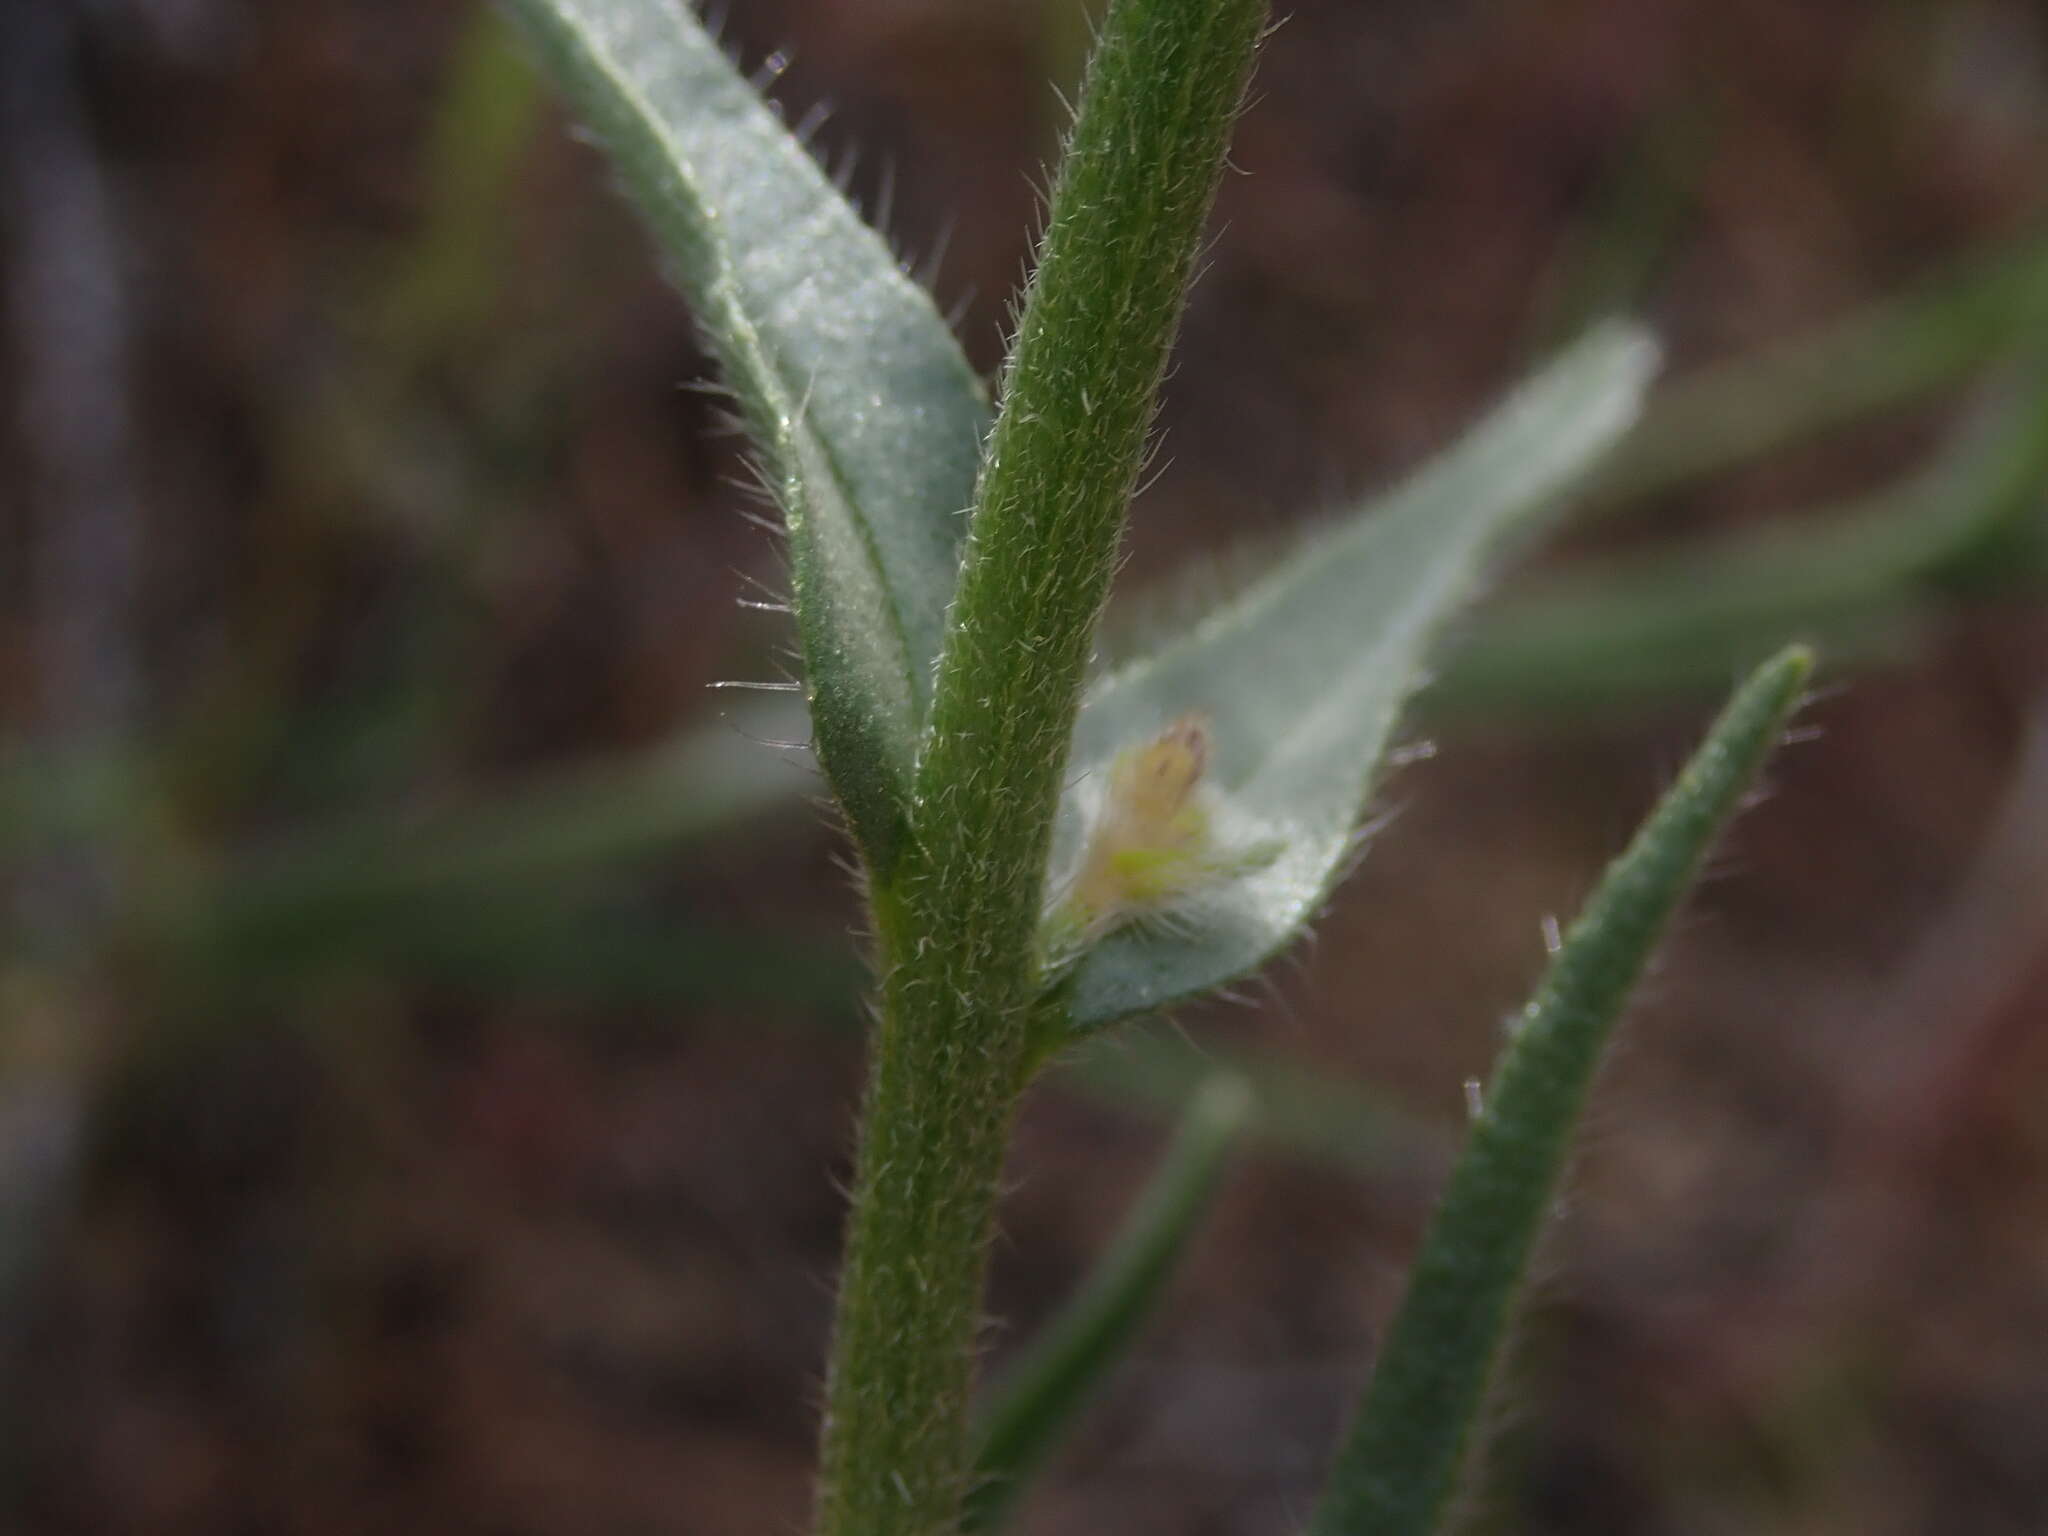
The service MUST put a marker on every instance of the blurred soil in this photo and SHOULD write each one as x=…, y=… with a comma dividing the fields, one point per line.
x=406, y=1238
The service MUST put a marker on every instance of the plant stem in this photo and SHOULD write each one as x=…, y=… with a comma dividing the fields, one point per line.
x=962, y=1025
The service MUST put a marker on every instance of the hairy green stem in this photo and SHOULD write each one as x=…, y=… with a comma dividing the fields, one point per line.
x=958, y=913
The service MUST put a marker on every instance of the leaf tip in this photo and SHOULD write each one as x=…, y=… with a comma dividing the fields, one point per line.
x=1776, y=687
x=1632, y=357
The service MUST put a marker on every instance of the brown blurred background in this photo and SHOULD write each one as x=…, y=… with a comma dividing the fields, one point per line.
x=428, y=1016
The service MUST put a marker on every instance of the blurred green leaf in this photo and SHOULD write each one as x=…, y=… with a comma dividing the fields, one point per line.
x=591, y=953
x=1310, y=1115
x=1879, y=356
x=336, y=889
x=1302, y=677
x=866, y=416
x=1863, y=579
x=1046, y=1389
x=448, y=276
x=1610, y=258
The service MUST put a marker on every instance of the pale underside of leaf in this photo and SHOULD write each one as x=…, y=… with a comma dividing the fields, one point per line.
x=1302, y=677
x=867, y=419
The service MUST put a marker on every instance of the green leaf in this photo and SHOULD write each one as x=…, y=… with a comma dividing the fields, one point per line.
x=1302, y=678
x=1046, y=1389
x=1398, y=1470
x=866, y=416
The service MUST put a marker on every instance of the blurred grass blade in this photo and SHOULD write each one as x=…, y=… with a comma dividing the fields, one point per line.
x=447, y=282
x=1398, y=1471
x=54, y=796
x=1610, y=258
x=1611, y=632
x=1884, y=355
x=866, y=416
x=591, y=952
x=1301, y=678
x=1051, y=1384
x=332, y=889
x=1308, y=1115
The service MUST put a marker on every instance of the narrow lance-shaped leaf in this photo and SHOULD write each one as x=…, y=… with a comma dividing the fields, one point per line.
x=866, y=416
x=1275, y=711
x=1398, y=1471
x=1048, y=1388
